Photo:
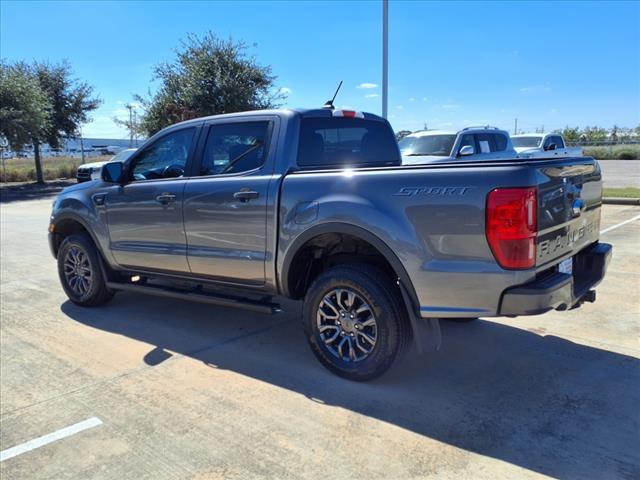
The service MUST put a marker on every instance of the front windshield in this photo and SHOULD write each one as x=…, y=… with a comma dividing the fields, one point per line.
x=123, y=155
x=437, y=145
x=526, y=141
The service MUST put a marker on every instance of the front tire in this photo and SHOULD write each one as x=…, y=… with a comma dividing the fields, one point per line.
x=355, y=321
x=80, y=273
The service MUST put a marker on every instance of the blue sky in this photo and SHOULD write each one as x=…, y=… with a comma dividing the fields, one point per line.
x=451, y=63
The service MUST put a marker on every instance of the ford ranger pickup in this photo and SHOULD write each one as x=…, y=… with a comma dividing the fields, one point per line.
x=238, y=210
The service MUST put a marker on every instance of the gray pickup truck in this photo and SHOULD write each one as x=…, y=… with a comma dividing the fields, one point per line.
x=239, y=209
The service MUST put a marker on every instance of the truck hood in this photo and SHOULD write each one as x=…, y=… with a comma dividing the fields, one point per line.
x=526, y=149
x=77, y=187
x=92, y=165
x=422, y=159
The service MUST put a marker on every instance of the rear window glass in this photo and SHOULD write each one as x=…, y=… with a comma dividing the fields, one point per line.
x=436, y=145
x=338, y=141
x=491, y=142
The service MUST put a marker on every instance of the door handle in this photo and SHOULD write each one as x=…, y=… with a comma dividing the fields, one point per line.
x=245, y=195
x=166, y=198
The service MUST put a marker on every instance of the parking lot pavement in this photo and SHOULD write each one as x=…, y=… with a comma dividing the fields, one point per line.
x=620, y=173
x=161, y=389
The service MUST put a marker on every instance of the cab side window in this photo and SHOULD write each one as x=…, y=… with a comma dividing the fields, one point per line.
x=235, y=148
x=468, y=140
x=165, y=158
x=547, y=142
x=559, y=142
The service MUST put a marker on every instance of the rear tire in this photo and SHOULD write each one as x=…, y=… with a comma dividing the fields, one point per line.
x=80, y=272
x=355, y=321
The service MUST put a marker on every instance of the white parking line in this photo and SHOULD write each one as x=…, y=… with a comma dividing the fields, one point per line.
x=49, y=438
x=619, y=225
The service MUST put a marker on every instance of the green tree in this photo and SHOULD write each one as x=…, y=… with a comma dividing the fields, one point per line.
x=209, y=76
x=593, y=134
x=71, y=101
x=571, y=135
x=614, y=133
x=24, y=106
x=132, y=124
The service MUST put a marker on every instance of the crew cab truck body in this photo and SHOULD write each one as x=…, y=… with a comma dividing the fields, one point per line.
x=543, y=145
x=441, y=146
x=238, y=209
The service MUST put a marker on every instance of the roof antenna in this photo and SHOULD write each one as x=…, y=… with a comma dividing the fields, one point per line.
x=329, y=103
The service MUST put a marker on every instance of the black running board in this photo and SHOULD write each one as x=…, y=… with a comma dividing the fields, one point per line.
x=211, y=299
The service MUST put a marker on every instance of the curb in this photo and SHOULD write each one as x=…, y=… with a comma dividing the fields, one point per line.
x=620, y=201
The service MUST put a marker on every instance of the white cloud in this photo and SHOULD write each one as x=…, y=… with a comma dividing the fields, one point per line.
x=449, y=106
x=285, y=91
x=103, y=126
x=367, y=85
x=412, y=99
x=347, y=107
x=399, y=107
x=424, y=99
x=371, y=95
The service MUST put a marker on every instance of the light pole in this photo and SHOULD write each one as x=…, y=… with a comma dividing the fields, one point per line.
x=130, y=108
x=385, y=55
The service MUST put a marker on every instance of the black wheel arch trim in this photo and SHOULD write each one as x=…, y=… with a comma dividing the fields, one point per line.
x=77, y=218
x=412, y=302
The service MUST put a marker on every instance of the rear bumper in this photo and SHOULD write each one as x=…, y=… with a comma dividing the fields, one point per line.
x=559, y=290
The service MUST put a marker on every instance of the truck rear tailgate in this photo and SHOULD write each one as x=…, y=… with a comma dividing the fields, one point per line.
x=569, y=206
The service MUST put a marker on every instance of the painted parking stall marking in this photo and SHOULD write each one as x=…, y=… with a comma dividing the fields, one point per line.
x=49, y=438
x=602, y=232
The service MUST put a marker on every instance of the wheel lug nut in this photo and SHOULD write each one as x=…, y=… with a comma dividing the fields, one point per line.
x=351, y=316
x=351, y=334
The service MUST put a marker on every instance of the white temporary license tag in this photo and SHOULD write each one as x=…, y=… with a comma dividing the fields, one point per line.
x=566, y=266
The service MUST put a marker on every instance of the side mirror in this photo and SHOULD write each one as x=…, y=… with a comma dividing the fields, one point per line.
x=112, y=172
x=466, y=151
x=552, y=146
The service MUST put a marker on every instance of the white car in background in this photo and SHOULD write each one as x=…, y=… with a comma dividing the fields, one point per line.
x=543, y=145
x=471, y=143
x=92, y=171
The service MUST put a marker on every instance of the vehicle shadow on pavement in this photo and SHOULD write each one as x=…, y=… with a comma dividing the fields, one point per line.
x=540, y=402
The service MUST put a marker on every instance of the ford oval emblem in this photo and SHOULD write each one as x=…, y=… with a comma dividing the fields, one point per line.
x=577, y=207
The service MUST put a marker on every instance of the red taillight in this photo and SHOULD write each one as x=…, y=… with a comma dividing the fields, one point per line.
x=511, y=226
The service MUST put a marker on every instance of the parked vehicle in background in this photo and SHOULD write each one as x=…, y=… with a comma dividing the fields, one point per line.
x=543, y=145
x=468, y=144
x=93, y=171
x=238, y=209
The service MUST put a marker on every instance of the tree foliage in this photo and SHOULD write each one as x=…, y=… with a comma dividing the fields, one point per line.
x=402, y=133
x=71, y=101
x=24, y=106
x=571, y=135
x=593, y=134
x=209, y=76
x=42, y=103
